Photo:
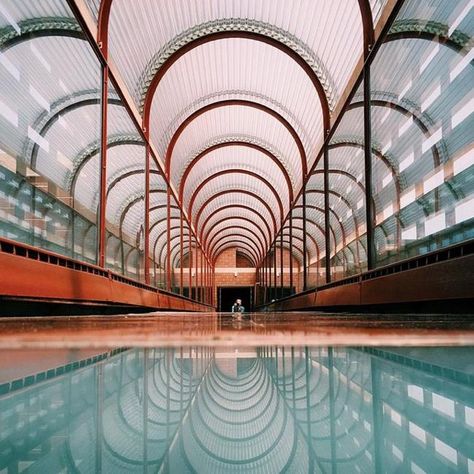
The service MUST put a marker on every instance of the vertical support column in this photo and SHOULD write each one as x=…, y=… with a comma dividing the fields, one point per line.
x=327, y=235
x=291, y=252
x=200, y=275
x=101, y=234
x=281, y=263
x=147, y=215
x=275, y=296
x=190, y=263
x=195, y=266
x=305, y=263
x=168, y=237
x=181, y=245
x=369, y=206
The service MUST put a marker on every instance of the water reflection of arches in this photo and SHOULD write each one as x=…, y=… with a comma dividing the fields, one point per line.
x=273, y=410
x=240, y=424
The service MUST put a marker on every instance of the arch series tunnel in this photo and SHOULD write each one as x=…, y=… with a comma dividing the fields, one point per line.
x=313, y=154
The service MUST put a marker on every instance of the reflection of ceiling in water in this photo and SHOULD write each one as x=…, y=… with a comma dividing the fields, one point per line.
x=269, y=410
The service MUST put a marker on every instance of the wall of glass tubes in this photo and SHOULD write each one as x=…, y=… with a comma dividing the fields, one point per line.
x=422, y=143
x=50, y=150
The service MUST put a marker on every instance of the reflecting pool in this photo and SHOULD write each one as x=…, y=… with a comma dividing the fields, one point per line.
x=265, y=409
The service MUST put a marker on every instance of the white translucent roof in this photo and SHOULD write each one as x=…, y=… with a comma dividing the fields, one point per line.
x=242, y=93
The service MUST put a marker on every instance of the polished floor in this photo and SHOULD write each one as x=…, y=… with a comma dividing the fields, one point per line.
x=222, y=330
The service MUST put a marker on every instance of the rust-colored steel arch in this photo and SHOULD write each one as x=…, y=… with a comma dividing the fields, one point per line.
x=259, y=242
x=407, y=113
x=135, y=201
x=342, y=173
x=162, y=249
x=308, y=235
x=235, y=143
x=320, y=209
x=241, y=191
x=126, y=175
x=245, y=219
x=240, y=227
x=367, y=24
x=258, y=249
x=241, y=103
x=243, y=248
x=235, y=243
x=220, y=35
x=236, y=171
x=233, y=206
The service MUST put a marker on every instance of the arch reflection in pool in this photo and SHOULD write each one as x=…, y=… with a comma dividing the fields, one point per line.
x=271, y=409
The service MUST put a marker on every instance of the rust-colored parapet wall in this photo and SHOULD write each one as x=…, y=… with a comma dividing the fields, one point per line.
x=27, y=273
x=449, y=280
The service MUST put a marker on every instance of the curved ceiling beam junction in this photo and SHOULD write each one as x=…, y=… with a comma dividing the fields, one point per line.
x=240, y=191
x=377, y=153
x=164, y=257
x=250, y=221
x=252, y=146
x=229, y=103
x=236, y=171
x=258, y=248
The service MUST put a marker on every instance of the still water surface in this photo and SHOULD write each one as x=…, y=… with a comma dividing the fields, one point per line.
x=246, y=410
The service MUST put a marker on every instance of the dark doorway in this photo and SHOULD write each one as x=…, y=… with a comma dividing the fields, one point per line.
x=228, y=295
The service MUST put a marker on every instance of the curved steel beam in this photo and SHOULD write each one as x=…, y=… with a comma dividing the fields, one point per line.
x=95, y=150
x=252, y=146
x=203, y=236
x=241, y=191
x=235, y=171
x=216, y=36
x=243, y=248
x=61, y=112
x=320, y=209
x=407, y=113
x=126, y=175
x=426, y=31
x=234, y=243
x=240, y=227
x=260, y=252
x=39, y=28
x=242, y=103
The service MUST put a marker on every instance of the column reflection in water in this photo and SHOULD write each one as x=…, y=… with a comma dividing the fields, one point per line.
x=270, y=409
